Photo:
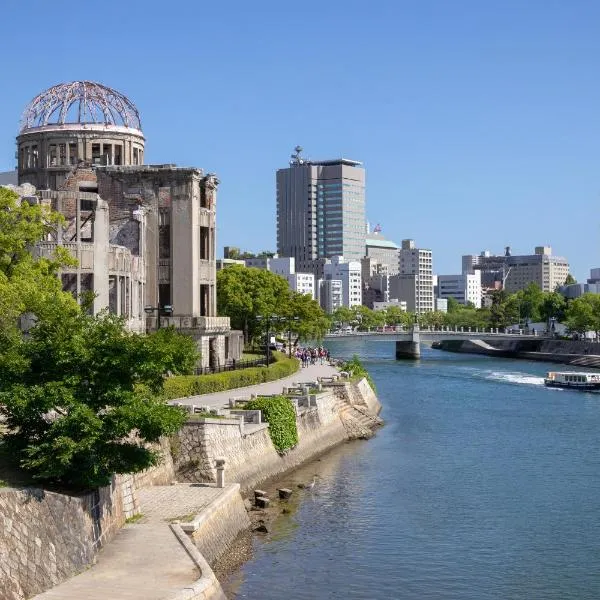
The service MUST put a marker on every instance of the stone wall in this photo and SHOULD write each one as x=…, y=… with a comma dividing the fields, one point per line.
x=46, y=537
x=250, y=456
x=219, y=525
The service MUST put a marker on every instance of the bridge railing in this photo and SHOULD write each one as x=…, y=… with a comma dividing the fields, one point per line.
x=443, y=329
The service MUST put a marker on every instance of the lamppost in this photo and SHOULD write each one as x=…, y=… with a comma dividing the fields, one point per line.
x=165, y=309
x=267, y=319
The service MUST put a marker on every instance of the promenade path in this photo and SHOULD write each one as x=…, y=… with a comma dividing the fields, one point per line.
x=221, y=399
x=145, y=561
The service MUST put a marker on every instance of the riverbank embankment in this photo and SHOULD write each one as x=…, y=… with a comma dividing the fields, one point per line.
x=575, y=353
x=173, y=534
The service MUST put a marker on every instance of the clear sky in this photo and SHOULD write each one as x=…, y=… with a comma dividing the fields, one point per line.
x=477, y=121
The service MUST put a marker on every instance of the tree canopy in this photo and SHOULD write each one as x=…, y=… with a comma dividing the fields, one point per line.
x=251, y=296
x=80, y=394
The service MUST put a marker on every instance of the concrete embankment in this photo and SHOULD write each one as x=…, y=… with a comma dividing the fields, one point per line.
x=581, y=354
x=342, y=411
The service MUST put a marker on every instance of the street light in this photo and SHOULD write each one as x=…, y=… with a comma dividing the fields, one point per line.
x=267, y=319
x=165, y=309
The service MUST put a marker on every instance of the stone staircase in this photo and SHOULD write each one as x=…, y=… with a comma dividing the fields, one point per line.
x=358, y=422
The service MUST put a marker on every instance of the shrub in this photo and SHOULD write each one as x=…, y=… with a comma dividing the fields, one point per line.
x=279, y=412
x=195, y=385
x=357, y=370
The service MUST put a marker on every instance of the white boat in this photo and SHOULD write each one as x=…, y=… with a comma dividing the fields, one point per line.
x=587, y=382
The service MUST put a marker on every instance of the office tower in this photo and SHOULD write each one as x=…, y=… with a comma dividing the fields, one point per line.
x=415, y=280
x=320, y=211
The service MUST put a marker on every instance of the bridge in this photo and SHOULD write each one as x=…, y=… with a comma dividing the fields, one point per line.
x=409, y=340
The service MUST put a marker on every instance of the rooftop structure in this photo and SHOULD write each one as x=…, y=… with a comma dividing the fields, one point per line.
x=73, y=123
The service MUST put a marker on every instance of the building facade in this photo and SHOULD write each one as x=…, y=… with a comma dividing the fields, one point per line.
x=383, y=251
x=414, y=282
x=464, y=289
x=516, y=272
x=349, y=273
x=143, y=235
x=330, y=294
x=320, y=210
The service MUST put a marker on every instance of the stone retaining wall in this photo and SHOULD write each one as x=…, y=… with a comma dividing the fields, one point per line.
x=46, y=537
x=250, y=456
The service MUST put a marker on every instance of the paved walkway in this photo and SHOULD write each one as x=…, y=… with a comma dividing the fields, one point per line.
x=145, y=561
x=221, y=399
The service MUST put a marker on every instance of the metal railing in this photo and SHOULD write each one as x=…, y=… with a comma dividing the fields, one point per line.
x=234, y=365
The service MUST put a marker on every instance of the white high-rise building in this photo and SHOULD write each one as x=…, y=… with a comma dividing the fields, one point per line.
x=415, y=279
x=349, y=273
x=303, y=283
x=330, y=294
x=320, y=210
x=463, y=288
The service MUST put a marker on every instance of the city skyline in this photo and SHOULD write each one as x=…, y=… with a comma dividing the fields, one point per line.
x=477, y=127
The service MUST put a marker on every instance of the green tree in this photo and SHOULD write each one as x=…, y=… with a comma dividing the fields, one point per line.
x=244, y=294
x=394, y=315
x=83, y=402
x=303, y=319
x=570, y=279
x=583, y=314
x=343, y=316
x=553, y=306
x=453, y=305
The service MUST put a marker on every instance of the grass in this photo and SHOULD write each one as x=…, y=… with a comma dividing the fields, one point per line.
x=183, y=518
x=203, y=415
x=134, y=519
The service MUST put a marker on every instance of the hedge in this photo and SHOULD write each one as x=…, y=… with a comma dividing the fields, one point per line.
x=194, y=385
x=279, y=413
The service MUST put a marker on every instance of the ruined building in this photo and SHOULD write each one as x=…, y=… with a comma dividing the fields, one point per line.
x=143, y=235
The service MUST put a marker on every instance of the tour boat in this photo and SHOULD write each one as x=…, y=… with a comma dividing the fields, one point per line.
x=588, y=382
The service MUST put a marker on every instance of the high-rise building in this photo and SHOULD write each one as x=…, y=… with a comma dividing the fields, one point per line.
x=415, y=280
x=349, y=273
x=320, y=210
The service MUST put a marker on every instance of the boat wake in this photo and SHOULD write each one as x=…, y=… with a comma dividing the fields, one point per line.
x=515, y=378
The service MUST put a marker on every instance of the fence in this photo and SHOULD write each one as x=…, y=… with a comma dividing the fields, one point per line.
x=234, y=365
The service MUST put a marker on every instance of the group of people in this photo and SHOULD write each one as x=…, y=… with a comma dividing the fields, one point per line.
x=311, y=356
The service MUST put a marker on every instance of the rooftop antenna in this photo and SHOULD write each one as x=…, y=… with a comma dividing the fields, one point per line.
x=296, y=158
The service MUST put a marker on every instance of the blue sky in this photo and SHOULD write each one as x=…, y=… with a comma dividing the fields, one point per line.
x=477, y=122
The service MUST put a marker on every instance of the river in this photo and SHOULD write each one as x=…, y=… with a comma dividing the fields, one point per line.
x=483, y=484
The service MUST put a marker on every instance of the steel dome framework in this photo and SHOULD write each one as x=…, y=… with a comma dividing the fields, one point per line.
x=80, y=102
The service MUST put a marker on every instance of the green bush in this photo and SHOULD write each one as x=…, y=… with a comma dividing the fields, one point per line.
x=279, y=412
x=357, y=370
x=194, y=385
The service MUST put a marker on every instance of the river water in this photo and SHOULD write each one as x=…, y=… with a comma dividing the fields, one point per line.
x=483, y=484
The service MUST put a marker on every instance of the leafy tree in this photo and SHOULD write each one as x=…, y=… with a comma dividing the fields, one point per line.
x=394, y=315
x=365, y=318
x=343, y=315
x=583, y=314
x=304, y=319
x=553, y=306
x=82, y=403
x=453, y=305
x=243, y=294
x=570, y=279
x=70, y=389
